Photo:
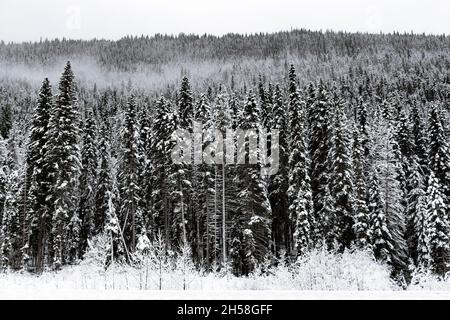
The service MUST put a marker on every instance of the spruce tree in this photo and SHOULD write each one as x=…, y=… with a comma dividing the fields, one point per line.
x=282, y=226
x=131, y=215
x=88, y=180
x=38, y=180
x=422, y=234
x=361, y=210
x=414, y=209
x=254, y=206
x=104, y=187
x=319, y=149
x=10, y=227
x=5, y=121
x=299, y=191
x=438, y=226
x=185, y=104
x=164, y=125
x=386, y=164
x=62, y=161
x=418, y=138
x=381, y=238
x=439, y=152
x=341, y=175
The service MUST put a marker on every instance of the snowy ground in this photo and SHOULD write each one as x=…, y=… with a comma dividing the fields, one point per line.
x=320, y=276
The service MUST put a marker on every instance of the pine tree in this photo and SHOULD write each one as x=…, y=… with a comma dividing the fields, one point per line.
x=264, y=103
x=10, y=231
x=113, y=230
x=63, y=164
x=361, y=209
x=418, y=138
x=104, y=187
x=381, y=238
x=38, y=180
x=254, y=206
x=341, y=175
x=319, y=150
x=162, y=145
x=145, y=133
x=181, y=174
x=439, y=153
x=131, y=215
x=5, y=121
x=414, y=203
x=278, y=184
x=88, y=181
x=203, y=183
x=224, y=191
x=185, y=104
x=299, y=191
x=438, y=226
x=387, y=167
x=422, y=234
x=3, y=188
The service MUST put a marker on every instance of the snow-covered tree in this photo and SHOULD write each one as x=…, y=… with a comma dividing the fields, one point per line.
x=62, y=161
x=437, y=226
x=299, y=191
x=254, y=206
x=278, y=183
x=162, y=144
x=361, y=227
x=439, y=152
x=104, y=184
x=341, y=175
x=319, y=148
x=386, y=167
x=38, y=180
x=131, y=215
x=88, y=180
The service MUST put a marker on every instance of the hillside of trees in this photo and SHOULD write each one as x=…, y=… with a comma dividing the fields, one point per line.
x=364, y=154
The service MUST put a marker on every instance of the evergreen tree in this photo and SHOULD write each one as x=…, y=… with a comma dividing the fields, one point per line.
x=254, y=206
x=104, y=187
x=361, y=210
x=319, y=150
x=438, y=226
x=203, y=183
x=38, y=181
x=299, y=190
x=421, y=228
x=185, y=104
x=414, y=210
x=146, y=165
x=386, y=162
x=10, y=231
x=131, y=215
x=162, y=145
x=381, y=238
x=88, y=181
x=439, y=153
x=282, y=226
x=62, y=161
x=5, y=121
x=418, y=138
x=341, y=175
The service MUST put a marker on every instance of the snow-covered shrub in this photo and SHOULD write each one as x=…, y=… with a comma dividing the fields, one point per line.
x=322, y=270
x=159, y=269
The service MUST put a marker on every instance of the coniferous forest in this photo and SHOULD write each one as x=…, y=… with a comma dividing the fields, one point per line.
x=86, y=138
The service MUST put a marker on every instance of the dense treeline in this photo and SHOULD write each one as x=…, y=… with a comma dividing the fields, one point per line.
x=364, y=158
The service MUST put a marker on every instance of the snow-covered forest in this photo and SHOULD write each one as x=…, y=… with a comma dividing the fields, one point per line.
x=361, y=199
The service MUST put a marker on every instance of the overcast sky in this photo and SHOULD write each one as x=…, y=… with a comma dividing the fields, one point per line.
x=25, y=20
